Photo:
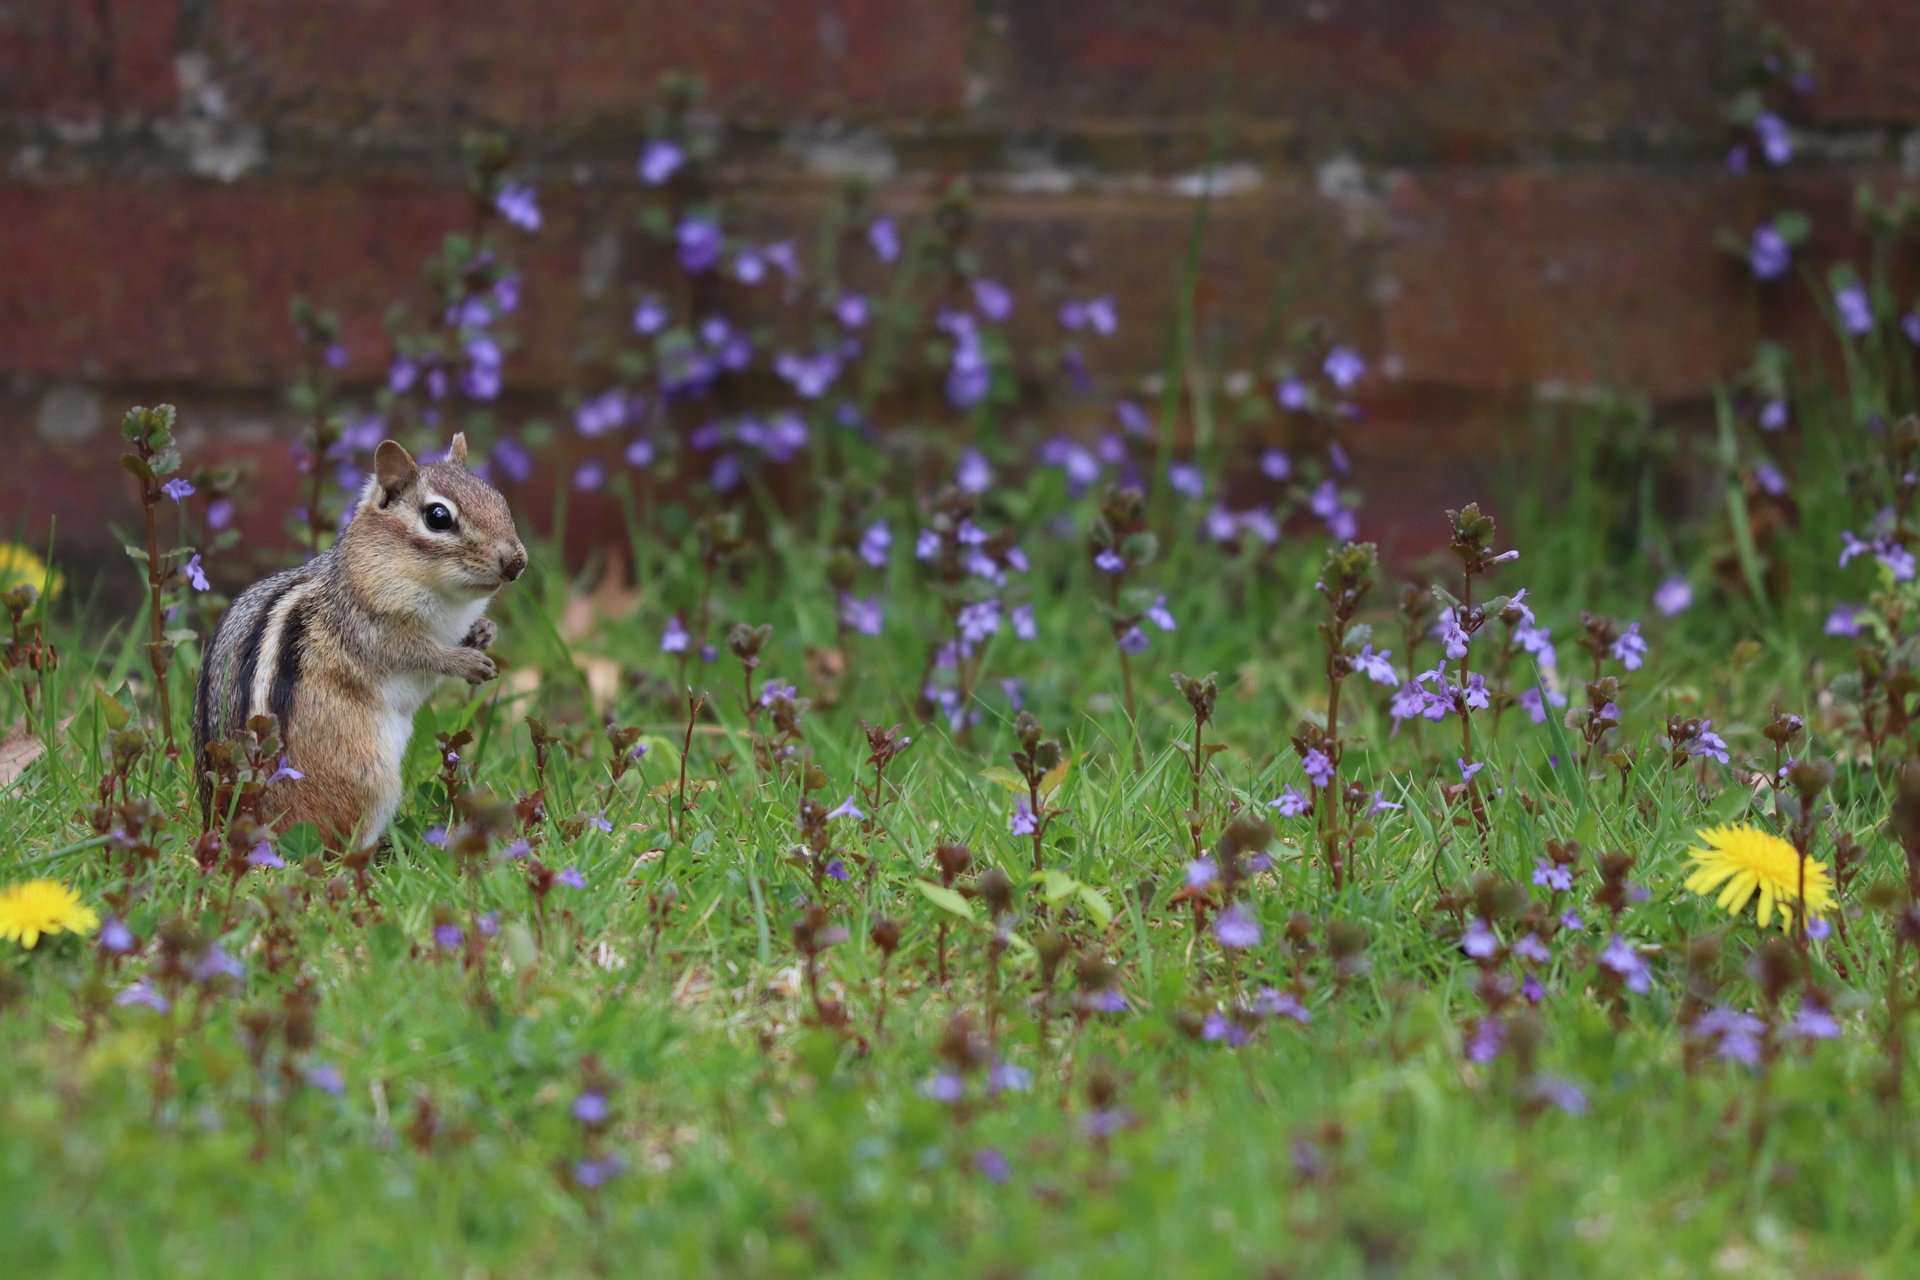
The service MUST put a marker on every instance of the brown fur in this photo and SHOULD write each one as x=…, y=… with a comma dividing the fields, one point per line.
x=392, y=608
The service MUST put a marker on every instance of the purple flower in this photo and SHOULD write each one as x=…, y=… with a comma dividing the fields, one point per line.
x=1110, y=561
x=1024, y=626
x=1814, y=1022
x=1769, y=255
x=1475, y=695
x=1188, y=479
x=1342, y=367
x=884, y=238
x=447, y=936
x=591, y=1108
x=1275, y=464
x=1318, y=767
x=875, y=543
x=518, y=206
x=1488, y=1037
x=115, y=937
x=649, y=315
x=1290, y=803
x=1291, y=394
x=699, y=245
x=325, y=1077
x=144, y=994
x=219, y=514
x=264, y=856
x=178, y=488
x=1551, y=875
x=1021, y=821
x=1377, y=667
x=674, y=638
x=660, y=160
x=845, y=809
x=1383, y=805
x=809, y=376
x=1630, y=649
x=1468, y=770
x=640, y=453
x=1770, y=131
x=1708, y=743
x=1201, y=873
x=1773, y=415
x=597, y=1173
x=1673, y=596
x=1217, y=1027
x=1133, y=641
x=1271, y=1003
x=851, y=309
x=1910, y=326
x=1856, y=312
x=947, y=1086
x=865, y=616
x=197, y=574
x=285, y=773
x=590, y=475
x=974, y=474
x=992, y=300
x=991, y=1165
x=1620, y=959
x=1845, y=620
x=1479, y=941
x=1556, y=1092
x=571, y=878
x=1006, y=1077
x=1735, y=1035
x=1235, y=928
x=1530, y=947
x=1160, y=616
x=1453, y=637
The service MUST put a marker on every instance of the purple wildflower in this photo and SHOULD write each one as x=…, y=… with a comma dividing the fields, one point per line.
x=990, y=1164
x=885, y=239
x=178, y=488
x=699, y=245
x=197, y=574
x=1551, y=875
x=1235, y=928
x=1673, y=596
x=846, y=809
x=1620, y=959
x=1021, y=821
x=1318, y=767
x=571, y=878
x=517, y=204
x=660, y=160
x=144, y=994
x=1343, y=367
x=1290, y=803
x=1776, y=144
x=1479, y=941
x=1856, y=311
x=1630, y=649
x=1769, y=255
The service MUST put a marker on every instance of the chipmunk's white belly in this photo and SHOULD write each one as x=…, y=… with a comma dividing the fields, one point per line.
x=402, y=696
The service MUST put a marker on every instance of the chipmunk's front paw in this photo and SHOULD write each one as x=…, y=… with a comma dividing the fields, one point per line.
x=473, y=666
x=481, y=634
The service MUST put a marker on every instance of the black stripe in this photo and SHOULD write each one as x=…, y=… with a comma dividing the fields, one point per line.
x=292, y=640
x=241, y=697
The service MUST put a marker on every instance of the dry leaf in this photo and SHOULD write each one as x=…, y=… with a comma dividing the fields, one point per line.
x=20, y=749
x=610, y=599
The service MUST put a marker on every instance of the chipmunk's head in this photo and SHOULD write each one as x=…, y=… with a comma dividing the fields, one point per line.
x=444, y=528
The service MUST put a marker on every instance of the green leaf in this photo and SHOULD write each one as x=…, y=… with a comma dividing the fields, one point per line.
x=946, y=899
x=1096, y=904
x=301, y=841
x=1001, y=776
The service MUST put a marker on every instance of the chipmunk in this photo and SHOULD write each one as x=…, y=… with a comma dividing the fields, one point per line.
x=345, y=648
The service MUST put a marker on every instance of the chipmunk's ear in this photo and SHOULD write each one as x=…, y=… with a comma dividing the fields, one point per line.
x=457, y=451
x=394, y=471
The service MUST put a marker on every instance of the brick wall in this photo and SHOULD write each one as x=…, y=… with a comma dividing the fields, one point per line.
x=1489, y=197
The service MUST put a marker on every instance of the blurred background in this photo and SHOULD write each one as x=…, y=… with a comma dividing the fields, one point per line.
x=1515, y=213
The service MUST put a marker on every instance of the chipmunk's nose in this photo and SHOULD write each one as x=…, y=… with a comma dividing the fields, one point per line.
x=513, y=563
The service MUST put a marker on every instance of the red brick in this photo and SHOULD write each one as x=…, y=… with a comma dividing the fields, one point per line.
x=190, y=281
x=532, y=63
x=1430, y=78
x=1519, y=278
x=1866, y=57
x=84, y=59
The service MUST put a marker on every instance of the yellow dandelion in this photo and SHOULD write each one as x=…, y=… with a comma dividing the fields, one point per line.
x=27, y=911
x=20, y=567
x=1751, y=861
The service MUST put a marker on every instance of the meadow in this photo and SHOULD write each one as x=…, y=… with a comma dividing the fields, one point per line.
x=1014, y=856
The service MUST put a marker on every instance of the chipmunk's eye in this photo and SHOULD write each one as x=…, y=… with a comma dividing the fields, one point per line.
x=438, y=518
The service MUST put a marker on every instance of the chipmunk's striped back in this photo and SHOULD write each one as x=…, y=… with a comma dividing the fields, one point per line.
x=253, y=663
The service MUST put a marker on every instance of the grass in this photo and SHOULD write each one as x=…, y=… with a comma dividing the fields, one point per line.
x=757, y=1141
